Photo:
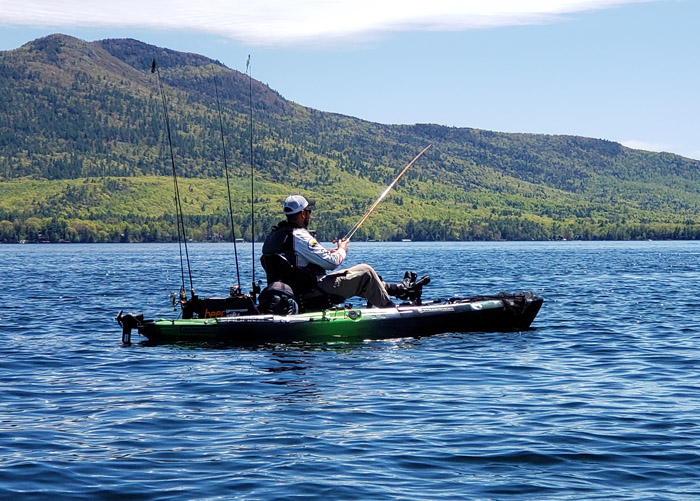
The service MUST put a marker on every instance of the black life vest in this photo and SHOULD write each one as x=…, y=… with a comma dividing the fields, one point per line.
x=280, y=261
x=281, y=241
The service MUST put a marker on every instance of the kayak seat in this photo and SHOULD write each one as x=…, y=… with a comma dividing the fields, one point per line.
x=278, y=269
x=303, y=284
x=317, y=300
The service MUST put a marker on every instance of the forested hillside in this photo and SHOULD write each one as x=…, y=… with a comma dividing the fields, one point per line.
x=84, y=158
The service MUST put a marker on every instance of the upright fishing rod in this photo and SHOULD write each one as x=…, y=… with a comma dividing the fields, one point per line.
x=181, y=235
x=383, y=195
x=252, y=176
x=228, y=183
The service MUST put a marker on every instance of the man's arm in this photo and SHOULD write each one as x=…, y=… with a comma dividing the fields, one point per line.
x=308, y=248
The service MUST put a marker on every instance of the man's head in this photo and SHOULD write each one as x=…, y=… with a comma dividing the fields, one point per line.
x=298, y=209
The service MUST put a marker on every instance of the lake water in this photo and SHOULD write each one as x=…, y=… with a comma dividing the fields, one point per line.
x=601, y=400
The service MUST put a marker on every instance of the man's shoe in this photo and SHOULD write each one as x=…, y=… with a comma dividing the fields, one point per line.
x=410, y=289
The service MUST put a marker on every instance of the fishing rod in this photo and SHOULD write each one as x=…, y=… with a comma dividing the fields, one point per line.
x=228, y=183
x=181, y=235
x=252, y=177
x=382, y=196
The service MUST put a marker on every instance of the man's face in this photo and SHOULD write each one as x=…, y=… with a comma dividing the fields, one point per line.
x=306, y=217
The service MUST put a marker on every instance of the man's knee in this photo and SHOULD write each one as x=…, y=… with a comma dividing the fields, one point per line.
x=366, y=271
x=362, y=268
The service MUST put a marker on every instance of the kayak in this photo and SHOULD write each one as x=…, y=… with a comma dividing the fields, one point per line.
x=242, y=326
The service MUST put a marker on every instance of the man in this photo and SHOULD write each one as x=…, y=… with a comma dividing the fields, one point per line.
x=311, y=261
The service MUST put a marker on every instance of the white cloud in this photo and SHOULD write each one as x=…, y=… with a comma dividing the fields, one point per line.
x=288, y=22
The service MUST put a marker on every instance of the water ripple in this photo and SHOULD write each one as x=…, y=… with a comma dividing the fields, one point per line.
x=600, y=401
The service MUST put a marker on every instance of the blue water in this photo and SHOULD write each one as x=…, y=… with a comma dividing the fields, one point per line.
x=602, y=400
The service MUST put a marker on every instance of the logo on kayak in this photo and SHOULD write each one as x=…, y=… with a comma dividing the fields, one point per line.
x=214, y=314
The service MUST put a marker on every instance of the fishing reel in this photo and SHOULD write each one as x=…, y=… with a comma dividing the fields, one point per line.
x=177, y=298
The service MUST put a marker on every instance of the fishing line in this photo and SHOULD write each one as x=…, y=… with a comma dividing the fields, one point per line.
x=181, y=235
x=228, y=183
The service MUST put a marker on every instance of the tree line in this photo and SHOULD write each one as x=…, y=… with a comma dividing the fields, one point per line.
x=216, y=229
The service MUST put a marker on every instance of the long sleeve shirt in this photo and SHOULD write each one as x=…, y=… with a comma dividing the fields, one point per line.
x=308, y=250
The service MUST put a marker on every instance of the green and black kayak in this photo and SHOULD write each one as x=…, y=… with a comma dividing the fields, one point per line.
x=239, y=323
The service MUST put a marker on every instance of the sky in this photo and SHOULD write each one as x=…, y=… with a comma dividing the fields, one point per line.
x=621, y=70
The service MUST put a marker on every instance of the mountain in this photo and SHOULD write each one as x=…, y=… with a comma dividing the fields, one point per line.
x=84, y=157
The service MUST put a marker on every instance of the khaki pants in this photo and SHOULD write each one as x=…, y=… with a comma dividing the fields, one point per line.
x=360, y=280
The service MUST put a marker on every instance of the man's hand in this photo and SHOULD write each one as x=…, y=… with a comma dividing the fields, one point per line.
x=343, y=244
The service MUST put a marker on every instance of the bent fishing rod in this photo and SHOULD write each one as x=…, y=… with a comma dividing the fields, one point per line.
x=383, y=196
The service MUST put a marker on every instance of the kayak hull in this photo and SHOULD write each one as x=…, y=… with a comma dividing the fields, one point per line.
x=506, y=312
